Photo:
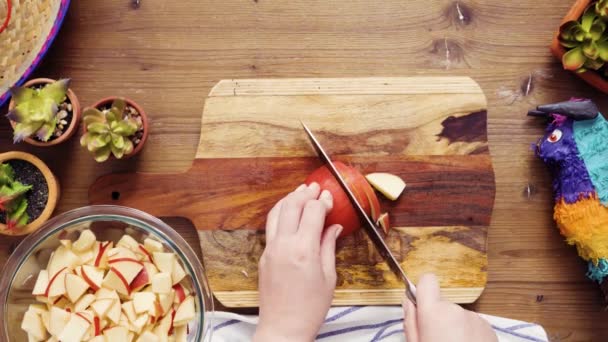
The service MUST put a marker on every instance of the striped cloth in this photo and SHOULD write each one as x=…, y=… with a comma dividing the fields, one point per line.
x=367, y=323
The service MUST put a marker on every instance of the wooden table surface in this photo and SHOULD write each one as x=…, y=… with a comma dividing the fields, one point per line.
x=167, y=55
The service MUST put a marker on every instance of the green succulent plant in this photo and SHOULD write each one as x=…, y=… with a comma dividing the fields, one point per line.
x=35, y=111
x=601, y=8
x=109, y=131
x=12, y=198
x=586, y=41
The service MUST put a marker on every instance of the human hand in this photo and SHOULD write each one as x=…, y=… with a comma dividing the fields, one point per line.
x=436, y=320
x=297, y=271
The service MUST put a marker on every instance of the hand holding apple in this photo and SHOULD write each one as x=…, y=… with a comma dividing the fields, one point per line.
x=297, y=269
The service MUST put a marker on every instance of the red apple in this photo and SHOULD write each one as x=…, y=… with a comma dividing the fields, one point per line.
x=343, y=212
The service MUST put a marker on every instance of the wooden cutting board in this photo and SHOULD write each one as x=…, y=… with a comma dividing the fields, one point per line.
x=431, y=131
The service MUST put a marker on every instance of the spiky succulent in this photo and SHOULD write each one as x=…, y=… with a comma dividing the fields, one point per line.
x=35, y=111
x=109, y=131
x=586, y=41
x=12, y=198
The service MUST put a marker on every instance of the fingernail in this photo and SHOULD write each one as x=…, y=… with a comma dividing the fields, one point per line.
x=314, y=185
x=300, y=188
x=326, y=196
x=339, y=230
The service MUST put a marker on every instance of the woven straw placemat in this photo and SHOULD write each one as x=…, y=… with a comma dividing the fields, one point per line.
x=32, y=28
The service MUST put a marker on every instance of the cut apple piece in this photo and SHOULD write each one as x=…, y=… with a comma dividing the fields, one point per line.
x=101, y=253
x=143, y=301
x=106, y=293
x=121, y=253
x=62, y=258
x=93, y=276
x=161, y=283
x=85, y=241
x=166, y=301
x=128, y=242
x=181, y=333
x=129, y=310
x=37, y=308
x=116, y=334
x=142, y=279
x=388, y=184
x=46, y=320
x=177, y=273
x=114, y=280
x=75, y=287
x=114, y=312
x=128, y=268
x=185, y=312
x=32, y=324
x=164, y=261
x=66, y=243
x=42, y=282
x=84, y=302
x=99, y=338
x=56, y=285
x=163, y=326
x=139, y=323
x=86, y=257
x=58, y=318
x=148, y=336
x=141, y=250
x=75, y=329
x=180, y=293
x=101, y=306
x=152, y=245
x=384, y=222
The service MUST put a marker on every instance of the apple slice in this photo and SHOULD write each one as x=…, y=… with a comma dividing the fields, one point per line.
x=161, y=283
x=139, y=323
x=185, y=312
x=180, y=293
x=75, y=287
x=142, y=279
x=146, y=256
x=58, y=318
x=93, y=276
x=148, y=336
x=127, y=267
x=56, y=285
x=114, y=312
x=32, y=324
x=86, y=241
x=101, y=306
x=165, y=301
x=37, y=308
x=42, y=282
x=178, y=273
x=163, y=327
x=84, y=302
x=116, y=334
x=181, y=333
x=106, y=293
x=86, y=257
x=75, y=329
x=388, y=184
x=164, y=261
x=143, y=301
x=114, y=280
x=121, y=253
x=62, y=258
x=66, y=243
x=128, y=242
x=384, y=222
x=46, y=320
x=101, y=253
x=129, y=310
x=99, y=338
x=152, y=245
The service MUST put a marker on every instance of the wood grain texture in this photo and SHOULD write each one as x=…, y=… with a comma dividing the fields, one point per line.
x=167, y=55
x=246, y=161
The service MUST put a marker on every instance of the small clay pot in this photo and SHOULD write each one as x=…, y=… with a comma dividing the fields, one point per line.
x=591, y=77
x=144, y=120
x=53, y=193
x=71, y=129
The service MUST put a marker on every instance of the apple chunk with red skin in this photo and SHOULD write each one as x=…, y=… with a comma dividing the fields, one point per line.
x=343, y=212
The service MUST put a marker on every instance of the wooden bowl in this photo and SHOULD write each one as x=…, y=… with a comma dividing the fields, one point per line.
x=591, y=77
x=71, y=129
x=144, y=120
x=52, y=200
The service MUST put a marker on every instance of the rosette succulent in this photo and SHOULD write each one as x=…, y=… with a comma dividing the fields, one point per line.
x=12, y=198
x=109, y=131
x=586, y=40
x=35, y=111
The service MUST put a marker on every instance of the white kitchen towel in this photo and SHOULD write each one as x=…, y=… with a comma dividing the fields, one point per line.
x=366, y=323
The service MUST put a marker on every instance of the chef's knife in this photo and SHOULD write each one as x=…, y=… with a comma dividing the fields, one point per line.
x=369, y=226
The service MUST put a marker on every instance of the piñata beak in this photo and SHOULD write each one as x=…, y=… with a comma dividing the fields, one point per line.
x=583, y=109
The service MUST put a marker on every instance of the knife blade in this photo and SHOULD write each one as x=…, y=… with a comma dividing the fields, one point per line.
x=368, y=225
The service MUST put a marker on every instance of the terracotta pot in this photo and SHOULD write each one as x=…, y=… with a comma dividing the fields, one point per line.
x=590, y=76
x=144, y=119
x=76, y=114
x=51, y=182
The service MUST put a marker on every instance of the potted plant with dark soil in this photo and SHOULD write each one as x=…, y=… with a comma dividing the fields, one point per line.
x=44, y=112
x=115, y=127
x=29, y=193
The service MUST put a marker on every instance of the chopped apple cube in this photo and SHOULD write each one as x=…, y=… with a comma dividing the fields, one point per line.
x=164, y=261
x=128, y=268
x=129, y=310
x=152, y=245
x=164, y=325
x=57, y=320
x=106, y=293
x=37, y=308
x=46, y=320
x=42, y=282
x=86, y=257
x=85, y=241
x=177, y=273
x=84, y=302
x=66, y=243
x=101, y=306
x=128, y=242
x=75, y=329
x=148, y=337
x=101, y=254
x=93, y=276
x=114, y=312
x=142, y=279
x=56, y=285
x=116, y=334
x=143, y=253
x=181, y=333
x=99, y=338
x=114, y=280
x=121, y=253
x=166, y=301
x=139, y=323
x=181, y=293
x=62, y=258
x=161, y=283
x=185, y=312
x=75, y=287
x=32, y=324
x=143, y=301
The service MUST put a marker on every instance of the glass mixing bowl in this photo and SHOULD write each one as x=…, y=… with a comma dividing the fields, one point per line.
x=108, y=223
